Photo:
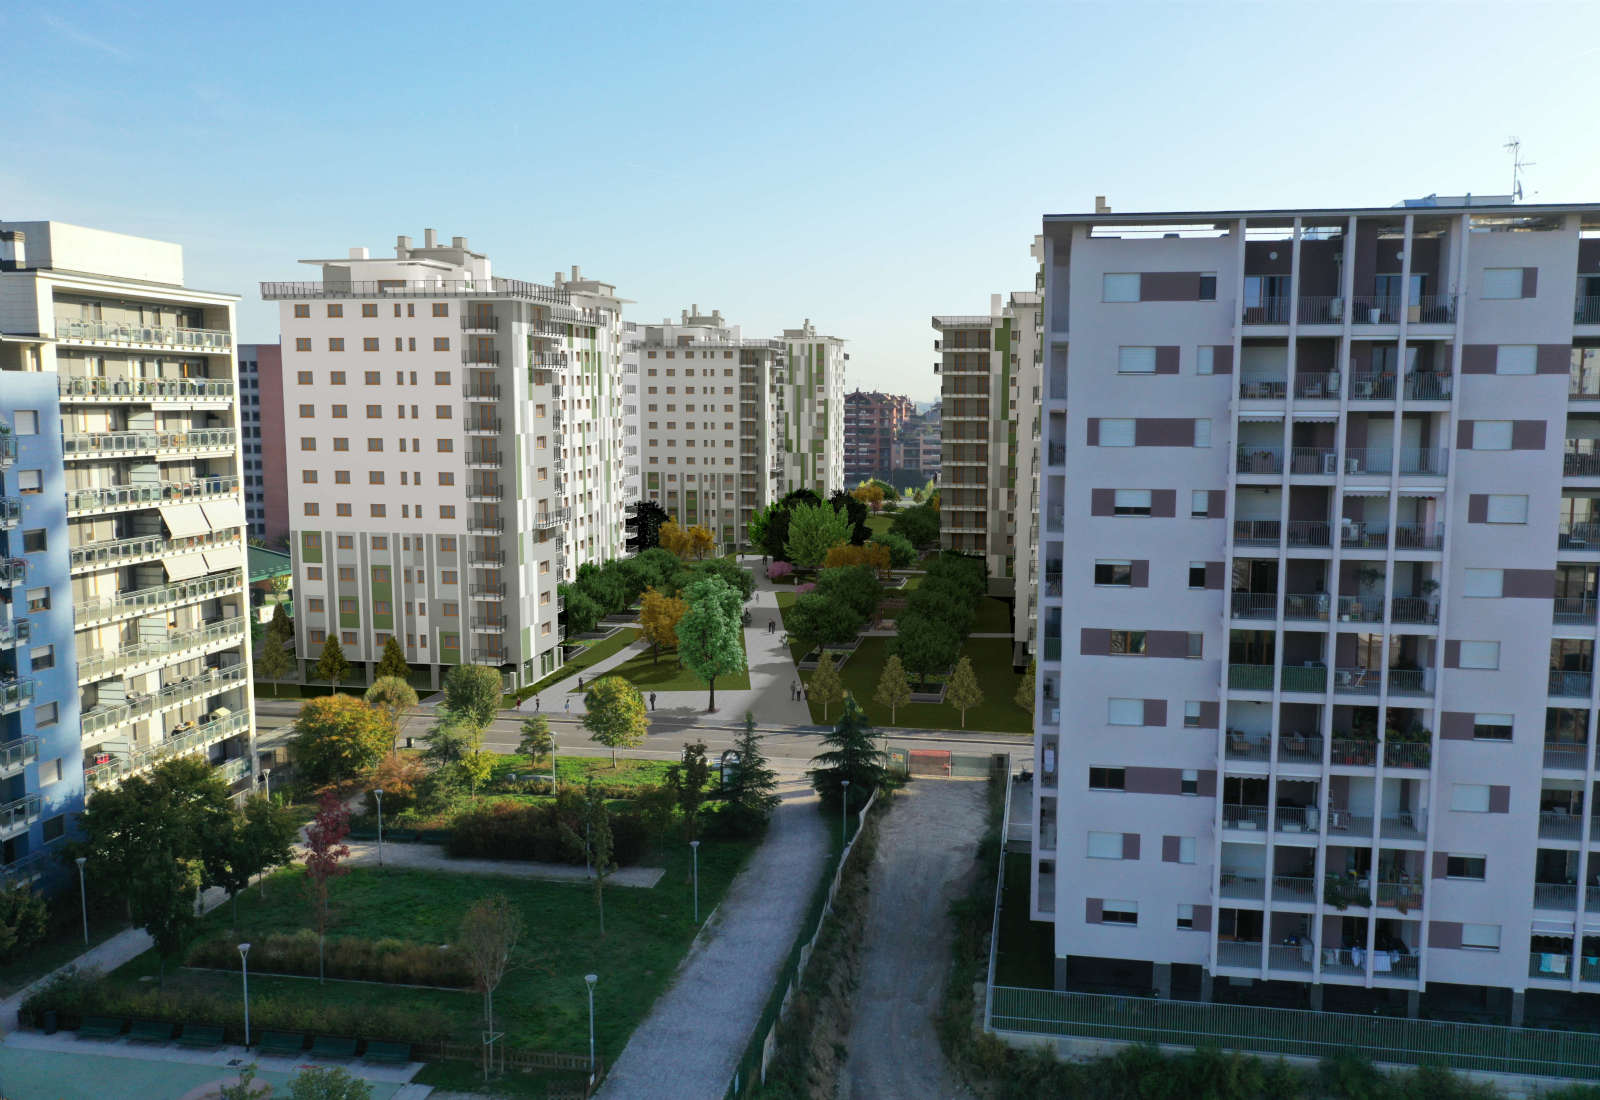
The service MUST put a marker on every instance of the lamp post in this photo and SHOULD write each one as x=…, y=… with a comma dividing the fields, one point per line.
x=244, y=966
x=266, y=780
x=553, y=766
x=378, y=794
x=83, y=898
x=589, y=980
x=694, y=846
x=844, y=811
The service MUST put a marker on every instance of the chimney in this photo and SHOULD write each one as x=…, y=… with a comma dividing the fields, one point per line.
x=558, y=278
x=402, y=247
x=994, y=305
x=358, y=254
x=13, y=250
x=1100, y=206
x=577, y=274
x=430, y=239
x=459, y=242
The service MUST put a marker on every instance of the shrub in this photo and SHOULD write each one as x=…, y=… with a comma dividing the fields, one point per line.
x=802, y=589
x=349, y=957
x=544, y=834
x=733, y=822
x=400, y=778
x=778, y=570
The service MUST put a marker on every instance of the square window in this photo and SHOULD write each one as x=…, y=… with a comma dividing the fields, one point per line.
x=54, y=828
x=42, y=657
x=369, y=343
x=1116, y=433
x=336, y=343
x=38, y=600
x=302, y=310
x=335, y=311
x=1502, y=282
x=1105, y=845
x=25, y=422
x=1119, y=287
x=441, y=343
x=1470, y=798
x=1491, y=727
x=441, y=309
x=35, y=541
x=1197, y=574
x=1124, y=712
x=1491, y=435
x=347, y=542
x=46, y=715
x=1516, y=359
x=1481, y=937
x=1185, y=915
x=1483, y=583
x=1189, y=782
x=1467, y=867
x=304, y=377
x=1113, y=574
x=1106, y=779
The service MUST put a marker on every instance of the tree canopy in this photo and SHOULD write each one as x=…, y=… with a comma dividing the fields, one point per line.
x=710, y=634
x=332, y=666
x=918, y=525
x=616, y=716
x=473, y=691
x=848, y=754
x=659, y=616
x=825, y=687
x=338, y=737
x=393, y=662
x=813, y=531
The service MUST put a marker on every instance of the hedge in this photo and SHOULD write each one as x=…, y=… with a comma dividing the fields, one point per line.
x=348, y=957
x=543, y=834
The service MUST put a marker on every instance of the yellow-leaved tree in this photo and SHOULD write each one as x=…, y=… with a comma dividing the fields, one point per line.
x=659, y=614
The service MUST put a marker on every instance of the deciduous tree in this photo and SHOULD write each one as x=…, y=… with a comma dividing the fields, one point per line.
x=332, y=665
x=814, y=530
x=616, y=716
x=328, y=1083
x=256, y=838
x=338, y=737
x=854, y=511
x=581, y=612
x=825, y=686
x=23, y=920
x=659, y=615
x=395, y=699
x=963, y=692
x=597, y=838
x=873, y=555
x=869, y=494
x=710, y=634
x=893, y=691
x=1024, y=696
x=536, y=739
x=814, y=620
x=489, y=935
x=473, y=692
x=924, y=645
x=901, y=552
x=272, y=660
x=325, y=855
x=918, y=526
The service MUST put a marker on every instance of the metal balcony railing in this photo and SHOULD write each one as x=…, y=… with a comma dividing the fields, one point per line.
x=117, y=334
x=485, y=492
x=1575, y=610
x=1354, y=752
x=1255, y=605
x=1576, y=463
x=1316, y=385
x=1356, y=681
x=97, y=444
x=1300, y=678
x=98, y=666
x=1566, y=755
x=98, y=555
x=1413, y=609
x=147, y=494
x=485, y=525
x=1432, y=309
x=415, y=288
x=487, y=592
x=1424, y=461
x=15, y=632
x=1586, y=311
x=1361, y=609
x=1371, y=386
x=483, y=460
x=480, y=391
x=1560, y=826
x=1321, y=309
x=15, y=694
x=1429, y=386
x=486, y=558
x=1402, y=826
x=492, y=625
x=1253, y=459
x=1247, y=818
x=1418, y=536
x=1294, y=888
x=1570, y=685
x=1407, y=754
x=144, y=601
x=1282, y=956
x=152, y=391
x=19, y=813
x=1363, y=535
x=1409, y=681
x=1562, y=897
x=1263, y=389
x=8, y=447
x=1304, y=532
x=1250, y=677
x=1313, y=460
x=1404, y=896
x=10, y=513
x=201, y=737
x=1300, y=748
x=1241, y=887
x=485, y=357
x=474, y=322
x=483, y=425
x=1239, y=954
x=177, y=693
x=1246, y=747
x=1376, y=310
x=552, y=519
x=1581, y=535
x=1552, y=965
x=1266, y=311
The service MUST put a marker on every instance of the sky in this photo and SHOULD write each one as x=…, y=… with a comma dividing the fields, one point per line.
x=865, y=165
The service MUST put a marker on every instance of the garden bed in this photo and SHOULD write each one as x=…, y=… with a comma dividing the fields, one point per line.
x=841, y=655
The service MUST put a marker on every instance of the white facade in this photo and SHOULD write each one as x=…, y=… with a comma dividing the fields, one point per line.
x=1318, y=598
x=811, y=411
x=455, y=452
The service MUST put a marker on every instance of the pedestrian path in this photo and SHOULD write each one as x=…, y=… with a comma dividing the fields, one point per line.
x=691, y=1042
x=431, y=857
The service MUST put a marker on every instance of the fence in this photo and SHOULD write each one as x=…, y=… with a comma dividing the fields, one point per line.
x=1294, y=1032
x=763, y=1045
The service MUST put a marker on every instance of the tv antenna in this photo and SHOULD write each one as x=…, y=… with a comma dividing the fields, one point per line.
x=1514, y=145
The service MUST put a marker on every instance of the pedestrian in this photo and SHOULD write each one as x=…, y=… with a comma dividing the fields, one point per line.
x=652, y=700
x=568, y=707
x=536, y=704
x=580, y=683
x=794, y=689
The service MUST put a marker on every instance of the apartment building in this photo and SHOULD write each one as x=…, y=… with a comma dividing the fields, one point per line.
x=123, y=633
x=989, y=423
x=1317, y=699
x=872, y=424
x=454, y=451
x=632, y=459
x=916, y=449
x=266, y=493
x=811, y=410
x=709, y=418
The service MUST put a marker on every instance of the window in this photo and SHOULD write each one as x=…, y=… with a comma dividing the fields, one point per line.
x=1484, y=655
x=1482, y=582
x=441, y=412
x=336, y=377
x=1127, y=643
x=441, y=343
x=341, y=443
x=1502, y=282
x=1202, y=433
x=445, y=446
x=1105, y=845
x=347, y=542
x=369, y=309
x=304, y=377
x=347, y=637
x=1136, y=360
x=1111, y=779
x=302, y=310
x=336, y=311
x=447, y=576
x=1468, y=867
x=45, y=715
x=1185, y=915
x=42, y=657
x=313, y=572
x=1186, y=849
x=308, y=411
x=379, y=511
x=342, y=508
x=369, y=343
x=1191, y=713
x=347, y=574
x=1506, y=508
x=35, y=541
x=1197, y=644
x=25, y=422
x=450, y=610
x=1199, y=503
x=446, y=477
x=1197, y=574
x=347, y=605
x=1470, y=798
x=341, y=477
x=1189, y=782
x=1491, y=727
x=1119, y=288
x=38, y=599
x=441, y=309
x=54, y=828
x=1205, y=359
x=1491, y=435
x=1125, y=712
x=1119, y=912
x=446, y=511
x=314, y=605
x=1481, y=937
x=336, y=343
x=447, y=544
x=340, y=412
x=1131, y=502
x=1208, y=287
x=1115, y=574
x=441, y=378
x=308, y=443
x=302, y=343
x=380, y=542
x=1516, y=359
x=374, y=477
x=1116, y=433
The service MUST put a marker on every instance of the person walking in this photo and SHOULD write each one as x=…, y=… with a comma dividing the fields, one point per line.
x=580, y=683
x=568, y=706
x=794, y=689
x=652, y=700
x=536, y=704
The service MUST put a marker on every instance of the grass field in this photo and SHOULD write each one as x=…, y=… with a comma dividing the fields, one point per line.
x=649, y=674
x=991, y=660
x=592, y=654
x=1025, y=951
x=879, y=524
x=63, y=942
x=994, y=617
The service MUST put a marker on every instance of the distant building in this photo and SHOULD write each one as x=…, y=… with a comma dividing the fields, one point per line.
x=872, y=422
x=266, y=492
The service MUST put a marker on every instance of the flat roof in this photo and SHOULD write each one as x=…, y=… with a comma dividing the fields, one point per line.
x=1323, y=211
x=265, y=564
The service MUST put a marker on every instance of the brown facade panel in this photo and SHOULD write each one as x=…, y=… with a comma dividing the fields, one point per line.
x=1464, y=435
x=1527, y=435
x=1202, y=918
x=1217, y=504
x=1094, y=643
x=1210, y=715
x=1166, y=643
x=1477, y=508
x=1456, y=725
x=1553, y=359
x=1452, y=654
x=1092, y=906
x=1499, y=800
x=1444, y=933
x=1441, y=865
x=1130, y=845
x=1528, y=584
x=1170, y=848
x=1222, y=359
x=1478, y=358
x=1169, y=286
x=1530, y=282
x=1092, y=427
x=1216, y=574
x=1139, y=573
x=1102, y=502
x=1164, y=503
x=1166, y=360
x=1155, y=712
x=1163, y=432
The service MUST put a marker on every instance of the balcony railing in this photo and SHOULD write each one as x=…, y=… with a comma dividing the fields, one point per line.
x=1252, y=459
x=1243, y=747
x=1586, y=311
x=1432, y=309
x=1267, y=311
x=1576, y=610
x=1558, y=826
x=153, y=650
x=1315, y=533
x=1429, y=386
x=1580, y=463
x=1355, y=681
x=1407, y=754
x=552, y=519
x=98, y=555
x=483, y=425
x=1246, y=818
x=1362, y=535
x=96, y=444
x=483, y=460
x=15, y=632
x=1295, y=888
x=112, y=333
x=1239, y=954
x=152, y=391
x=1241, y=887
x=1424, y=462
x=1257, y=532
x=1300, y=748
x=1555, y=895
x=1570, y=756
x=19, y=814
x=1255, y=605
x=1403, y=896
x=1553, y=966
x=1283, y=956
x=480, y=391
x=1312, y=460
x=1305, y=679
x=1371, y=386
x=1583, y=535
x=10, y=513
x=1402, y=826
x=8, y=448
x=493, y=625
x=174, y=694
x=18, y=754
x=1413, y=609
x=485, y=357
x=1263, y=389
x=1376, y=310
x=13, y=571
x=1361, y=609
x=201, y=737
x=112, y=497
x=1296, y=819
x=1354, y=752
x=144, y=601
x=1250, y=677
x=1321, y=309
x=15, y=694
x=1418, y=536
x=473, y=322
x=415, y=288
x=1409, y=681
x=1570, y=685
x=1316, y=385
x=485, y=492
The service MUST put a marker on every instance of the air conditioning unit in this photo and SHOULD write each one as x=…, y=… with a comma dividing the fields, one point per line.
x=1330, y=464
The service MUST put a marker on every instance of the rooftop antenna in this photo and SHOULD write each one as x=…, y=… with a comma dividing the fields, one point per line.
x=1514, y=145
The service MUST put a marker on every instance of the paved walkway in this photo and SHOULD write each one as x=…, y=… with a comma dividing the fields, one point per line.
x=690, y=1043
x=431, y=857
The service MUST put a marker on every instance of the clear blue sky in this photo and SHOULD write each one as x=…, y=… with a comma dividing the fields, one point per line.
x=862, y=164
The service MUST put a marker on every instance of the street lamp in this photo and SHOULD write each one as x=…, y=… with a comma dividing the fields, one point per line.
x=244, y=965
x=266, y=779
x=694, y=846
x=83, y=897
x=378, y=792
x=553, y=765
x=589, y=980
x=844, y=810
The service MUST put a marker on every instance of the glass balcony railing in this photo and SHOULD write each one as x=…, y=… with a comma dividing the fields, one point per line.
x=96, y=444
x=152, y=391
x=15, y=694
x=201, y=737
x=19, y=814
x=145, y=601
x=10, y=513
x=118, y=333
x=109, y=497
x=19, y=753
x=174, y=694
x=99, y=666
x=8, y=448
x=143, y=547
x=15, y=632
x=13, y=571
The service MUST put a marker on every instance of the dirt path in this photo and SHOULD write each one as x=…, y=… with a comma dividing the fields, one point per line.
x=925, y=848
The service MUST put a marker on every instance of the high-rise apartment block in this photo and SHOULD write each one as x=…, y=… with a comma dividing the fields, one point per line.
x=266, y=492
x=916, y=448
x=454, y=445
x=123, y=632
x=872, y=423
x=988, y=480
x=1321, y=533
x=811, y=410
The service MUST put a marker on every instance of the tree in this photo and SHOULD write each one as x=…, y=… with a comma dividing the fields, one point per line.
x=328, y=1083
x=856, y=586
x=797, y=497
x=536, y=740
x=393, y=662
x=901, y=552
x=581, y=611
x=332, y=666
x=849, y=755
x=756, y=529
x=925, y=645
x=753, y=786
x=814, y=620
x=873, y=555
x=597, y=838
x=739, y=579
x=473, y=692
x=963, y=692
x=338, y=737
x=856, y=512
x=162, y=898
x=825, y=686
x=918, y=526
x=869, y=493
x=777, y=541
x=325, y=853
x=616, y=716
x=257, y=838
x=699, y=541
x=687, y=782
x=23, y=920
x=645, y=518
x=893, y=691
x=393, y=698
x=675, y=538
x=710, y=635
x=489, y=934
x=813, y=531
x=281, y=626
x=1024, y=696
x=605, y=586
x=272, y=659
x=246, y=1087
x=659, y=615
x=455, y=750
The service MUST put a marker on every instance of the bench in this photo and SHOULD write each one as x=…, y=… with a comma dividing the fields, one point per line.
x=150, y=1031
x=281, y=1042
x=100, y=1027
x=328, y=1046
x=399, y=1053
x=200, y=1036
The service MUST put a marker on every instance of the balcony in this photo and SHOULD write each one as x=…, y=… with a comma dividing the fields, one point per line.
x=121, y=498
x=1352, y=752
x=18, y=754
x=1301, y=889
x=13, y=571
x=1404, y=896
x=1266, y=311
x=155, y=651
x=480, y=391
x=483, y=460
x=1249, y=677
x=1562, y=897
x=1355, y=681
x=1570, y=685
x=1239, y=954
x=1244, y=818
x=15, y=632
x=1554, y=966
x=1262, y=389
x=544, y=520
x=1574, y=610
x=1282, y=956
x=1256, y=460
x=1307, y=606
x=1296, y=819
x=1376, y=310
x=1299, y=748
x=202, y=737
x=1560, y=826
x=474, y=322
x=1409, y=681
x=1255, y=605
x=1309, y=533
x=1424, y=462
x=1413, y=610
x=19, y=814
x=485, y=492
x=170, y=695
x=14, y=695
x=1321, y=309
x=1313, y=680
x=485, y=525
x=1580, y=464
x=1371, y=386
x=1418, y=536
x=1578, y=536
x=486, y=559
x=10, y=513
x=1244, y=747
x=483, y=425
x=1402, y=826
x=169, y=444
x=1361, y=535
x=117, y=335
x=1240, y=887
x=489, y=624
x=1570, y=756
x=1429, y=386
x=480, y=357
x=1407, y=754
x=487, y=592
x=147, y=601
x=102, y=555
x=146, y=391
x=8, y=449
x=1586, y=311
x=1317, y=386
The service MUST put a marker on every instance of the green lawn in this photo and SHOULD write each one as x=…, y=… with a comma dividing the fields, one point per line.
x=269, y=690
x=879, y=524
x=541, y=1003
x=991, y=660
x=1025, y=951
x=994, y=617
x=63, y=942
x=664, y=674
x=593, y=653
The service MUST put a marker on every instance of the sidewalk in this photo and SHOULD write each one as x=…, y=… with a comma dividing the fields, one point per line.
x=690, y=1043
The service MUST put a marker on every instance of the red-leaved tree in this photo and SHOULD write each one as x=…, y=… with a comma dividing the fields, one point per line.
x=325, y=848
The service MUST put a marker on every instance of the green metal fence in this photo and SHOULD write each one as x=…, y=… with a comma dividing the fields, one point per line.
x=1274, y=1031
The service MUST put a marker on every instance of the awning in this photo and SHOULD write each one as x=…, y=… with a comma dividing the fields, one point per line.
x=1554, y=927
x=1358, y=491
x=183, y=567
x=222, y=514
x=218, y=560
x=184, y=520
x=1260, y=418
x=1330, y=417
